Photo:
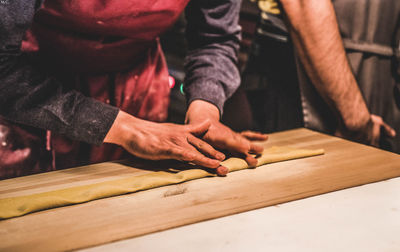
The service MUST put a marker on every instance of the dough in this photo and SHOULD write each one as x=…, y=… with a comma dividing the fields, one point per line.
x=18, y=206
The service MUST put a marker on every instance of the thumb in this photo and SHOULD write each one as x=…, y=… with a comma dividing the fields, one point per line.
x=201, y=128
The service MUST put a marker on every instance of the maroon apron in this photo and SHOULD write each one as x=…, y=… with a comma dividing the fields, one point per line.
x=108, y=50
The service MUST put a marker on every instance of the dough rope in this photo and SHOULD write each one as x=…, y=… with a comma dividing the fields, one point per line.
x=21, y=205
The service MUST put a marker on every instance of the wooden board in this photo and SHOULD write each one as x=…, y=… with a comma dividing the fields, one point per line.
x=344, y=165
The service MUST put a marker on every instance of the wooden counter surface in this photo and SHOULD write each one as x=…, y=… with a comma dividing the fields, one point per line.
x=344, y=165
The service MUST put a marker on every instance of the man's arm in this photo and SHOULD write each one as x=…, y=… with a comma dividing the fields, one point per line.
x=212, y=73
x=315, y=33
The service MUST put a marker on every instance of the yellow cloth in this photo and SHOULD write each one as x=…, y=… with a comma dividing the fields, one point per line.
x=18, y=206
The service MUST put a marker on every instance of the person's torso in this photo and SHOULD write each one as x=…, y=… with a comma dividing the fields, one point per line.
x=99, y=36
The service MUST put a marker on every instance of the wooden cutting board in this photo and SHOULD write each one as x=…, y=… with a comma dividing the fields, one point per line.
x=345, y=164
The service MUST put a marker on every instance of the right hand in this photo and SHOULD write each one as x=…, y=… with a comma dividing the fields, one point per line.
x=369, y=133
x=221, y=136
x=156, y=141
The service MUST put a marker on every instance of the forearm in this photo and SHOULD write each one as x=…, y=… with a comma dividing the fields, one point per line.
x=314, y=30
x=30, y=97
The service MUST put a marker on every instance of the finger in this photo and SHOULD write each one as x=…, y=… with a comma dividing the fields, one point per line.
x=222, y=170
x=238, y=144
x=251, y=161
x=199, y=129
x=205, y=148
x=256, y=149
x=192, y=155
x=389, y=130
x=376, y=134
x=254, y=136
x=338, y=133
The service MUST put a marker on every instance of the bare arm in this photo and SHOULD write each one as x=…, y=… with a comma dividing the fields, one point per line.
x=315, y=33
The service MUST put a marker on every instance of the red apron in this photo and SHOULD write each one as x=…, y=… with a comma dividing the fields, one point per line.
x=108, y=50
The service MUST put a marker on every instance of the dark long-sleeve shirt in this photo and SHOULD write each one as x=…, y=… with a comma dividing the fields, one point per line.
x=213, y=35
x=30, y=96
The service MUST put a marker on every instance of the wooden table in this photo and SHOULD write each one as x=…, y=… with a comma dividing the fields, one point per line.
x=360, y=219
x=344, y=165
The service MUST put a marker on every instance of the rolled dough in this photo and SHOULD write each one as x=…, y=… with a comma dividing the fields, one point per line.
x=18, y=206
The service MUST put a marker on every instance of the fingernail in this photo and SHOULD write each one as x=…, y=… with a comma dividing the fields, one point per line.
x=253, y=163
x=220, y=156
x=222, y=170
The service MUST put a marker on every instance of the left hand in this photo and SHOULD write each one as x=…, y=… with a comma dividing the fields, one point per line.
x=222, y=137
x=369, y=133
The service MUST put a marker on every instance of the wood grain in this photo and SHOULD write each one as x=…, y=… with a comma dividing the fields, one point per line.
x=344, y=165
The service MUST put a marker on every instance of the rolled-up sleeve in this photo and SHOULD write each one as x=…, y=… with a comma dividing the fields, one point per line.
x=29, y=96
x=211, y=65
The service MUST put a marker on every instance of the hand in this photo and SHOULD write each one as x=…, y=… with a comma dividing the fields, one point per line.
x=158, y=141
x=369, y=133
x=220, y=136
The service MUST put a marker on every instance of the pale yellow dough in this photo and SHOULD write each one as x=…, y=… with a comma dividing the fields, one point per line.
x=18, y=206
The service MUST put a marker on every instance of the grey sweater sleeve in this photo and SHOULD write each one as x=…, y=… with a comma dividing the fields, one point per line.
x=213, y=35
x=31, y=97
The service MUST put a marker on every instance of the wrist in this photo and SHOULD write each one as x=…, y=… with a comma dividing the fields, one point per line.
x=121, y=129
x=357, y=124
x=357, y=117
x=200, y=110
